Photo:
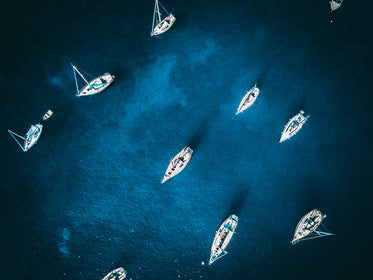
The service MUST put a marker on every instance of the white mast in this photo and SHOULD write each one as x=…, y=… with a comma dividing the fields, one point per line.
x=12, y=134
x=159, y=14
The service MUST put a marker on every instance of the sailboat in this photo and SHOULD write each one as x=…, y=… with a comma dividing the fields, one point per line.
x=96, y=85
x=30, y=139
x=293, y=126
x=178, y=163
x=248, y=99
x=116, y=274
x=222, y=238
x=335, y=4
x=308, y=227
x=161, y=25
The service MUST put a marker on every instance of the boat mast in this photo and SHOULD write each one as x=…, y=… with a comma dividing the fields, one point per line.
x=79, y=74
x=12, y=134
x=157, y=9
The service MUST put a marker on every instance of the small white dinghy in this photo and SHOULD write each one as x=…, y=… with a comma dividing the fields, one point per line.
x=47, y=115
x=248, y=99
x=178, y=163
x=160, y=25
x=222, y=238
x=116, y=274
x=307, y=227
x=293, y=126
x=96, y=85
x=30, y=139
x=335, y=4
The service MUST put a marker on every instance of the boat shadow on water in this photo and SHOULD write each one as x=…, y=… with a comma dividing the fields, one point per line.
x=238, y=201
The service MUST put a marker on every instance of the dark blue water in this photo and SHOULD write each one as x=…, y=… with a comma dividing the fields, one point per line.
x=87, y=198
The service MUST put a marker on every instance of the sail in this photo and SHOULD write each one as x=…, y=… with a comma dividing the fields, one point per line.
x=31, y=138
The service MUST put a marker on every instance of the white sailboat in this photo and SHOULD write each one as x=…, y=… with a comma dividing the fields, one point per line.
x=96, y=85
x=178, y=163
x=248, y=99
x=222, y=238
x=160, y=25
x=308, y=227
x=293, y=126
x=116, y=274
x=30, y=139
x=335, y=4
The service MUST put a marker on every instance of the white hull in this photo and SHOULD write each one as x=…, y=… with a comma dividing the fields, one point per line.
x=96, y=85
x=178, y=163
x=222, y=238
x=31, y=138
x=248, y=99
x=117, y=274
x=164, y=25
x=335, y=4
x=308, y=225
x=47, y=115
x=293, y=126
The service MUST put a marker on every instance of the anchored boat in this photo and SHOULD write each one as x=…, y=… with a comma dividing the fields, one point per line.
x=222, y=238
x=248, y=99
x=160, y=25
x=293, y=126
x=47, y=115
x=96, y=85
x=307, y=227
x=178, y=163
x=116, y=274
x=30, y=139
x=335, y=4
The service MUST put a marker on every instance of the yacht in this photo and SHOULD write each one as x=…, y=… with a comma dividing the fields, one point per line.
x=178, y=163
x=116, y=274
x=293, y=126
x=248, y=99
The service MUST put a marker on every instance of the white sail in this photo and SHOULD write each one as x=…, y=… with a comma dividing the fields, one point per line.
x=335, y=4
x=31, y=138
x=308, y=227
x=160, y=25
x=96, y=85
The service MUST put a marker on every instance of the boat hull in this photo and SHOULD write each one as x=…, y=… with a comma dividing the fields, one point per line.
x=164, y=25
x=32, y=136
x=178, y=163
x=116, y=274
x=307, y=225
x=222, y=238
x=248, y=100
x=97, y=85
x=293, y=126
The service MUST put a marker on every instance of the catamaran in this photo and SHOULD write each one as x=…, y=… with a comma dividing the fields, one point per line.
x=293, y=126
x=178, y=163
x=96, y=85
x=307, y=227
x=222, y=238
x=248, y=99
x=116, y=274
x=47, y=115
x=161, y=25
x=335, y=4
x=30, y=139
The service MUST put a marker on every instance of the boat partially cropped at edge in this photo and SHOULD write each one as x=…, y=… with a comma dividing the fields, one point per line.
x=335, y=4
x=96, y=85
x=30, y=139
x=222, y=238
x=178, y=163
x=160, y=25
x=307, y=227
x=293, y=126
x=116, y=274
x=248, y=99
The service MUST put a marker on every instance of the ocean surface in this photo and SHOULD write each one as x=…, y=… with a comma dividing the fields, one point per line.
x=87, y=198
